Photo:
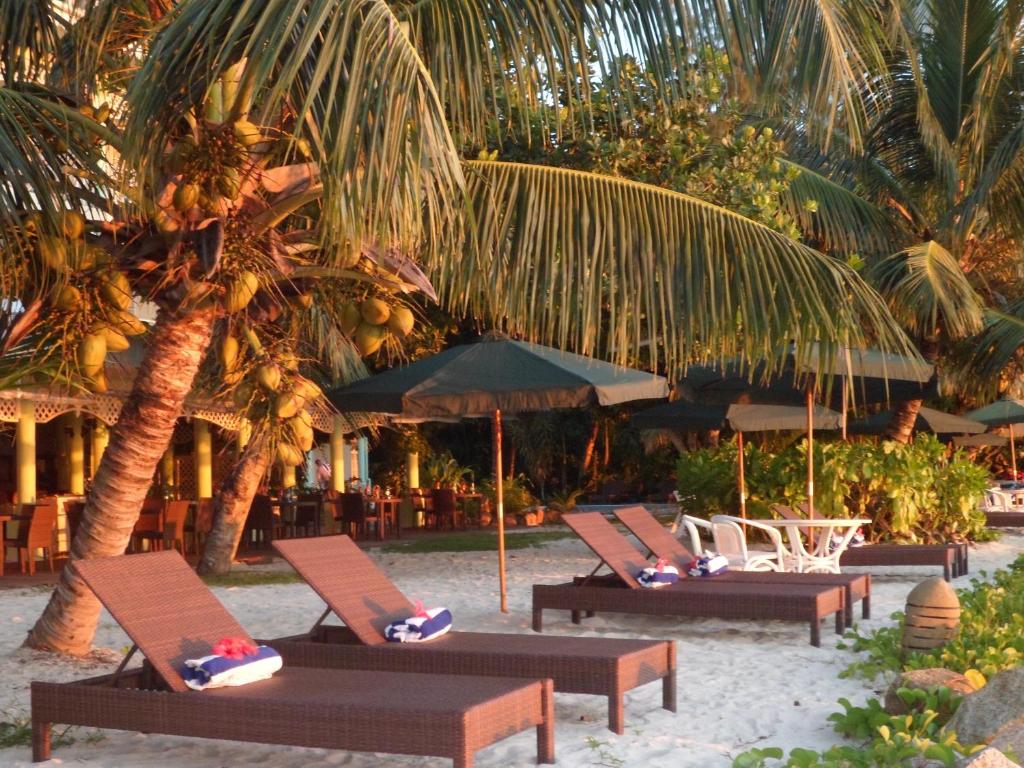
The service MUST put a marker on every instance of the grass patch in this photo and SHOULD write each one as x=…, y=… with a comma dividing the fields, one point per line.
x=475, y=541
x=17, y=732
x=239, y=578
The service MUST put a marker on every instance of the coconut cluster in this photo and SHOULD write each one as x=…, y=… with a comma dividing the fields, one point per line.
x=371, y=321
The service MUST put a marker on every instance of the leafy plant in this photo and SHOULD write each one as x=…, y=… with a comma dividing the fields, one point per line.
x=444, y=469
x=515, y=493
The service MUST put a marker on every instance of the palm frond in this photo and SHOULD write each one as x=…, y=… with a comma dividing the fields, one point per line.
x=609, y=266
x=987, y=355
x=842, y=221
x=360, y=93
x=928, y=291
x=29, y=31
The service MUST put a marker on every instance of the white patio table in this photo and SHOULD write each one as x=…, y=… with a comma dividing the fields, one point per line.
x=824, y=556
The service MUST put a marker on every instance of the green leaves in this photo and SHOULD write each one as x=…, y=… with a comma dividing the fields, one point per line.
x=929, y=292
x=608, y=266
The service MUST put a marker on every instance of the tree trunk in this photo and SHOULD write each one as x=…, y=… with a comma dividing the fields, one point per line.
x=588, y=453
x=901, y=427
x=175, y=349
x=231, y=506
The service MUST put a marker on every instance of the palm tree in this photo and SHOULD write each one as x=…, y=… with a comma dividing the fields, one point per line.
x=365, y=98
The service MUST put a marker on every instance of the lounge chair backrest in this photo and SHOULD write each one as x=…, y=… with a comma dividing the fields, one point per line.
x=164, y=607
x=608, y=544
x=693, y=526
x=349, y=582
x=786, y=513
x=802, y=506
x=654, y=535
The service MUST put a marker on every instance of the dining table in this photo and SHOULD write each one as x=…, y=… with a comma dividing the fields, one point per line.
x=387, y=507
x=823, y=555
x=464, y=500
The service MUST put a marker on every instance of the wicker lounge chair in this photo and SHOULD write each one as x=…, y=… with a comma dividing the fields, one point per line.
x=707, y=598
x=363, y=597
x=170, y=615
x=952, y=557
x=660, y=543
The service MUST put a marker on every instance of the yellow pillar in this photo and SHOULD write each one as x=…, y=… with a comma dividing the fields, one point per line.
x=25, y=451
x=204, y=458
x=100, y=438
x=412, y=470
x=76, y=456
x=63, y=460
x=167, y=467
x=338, y=455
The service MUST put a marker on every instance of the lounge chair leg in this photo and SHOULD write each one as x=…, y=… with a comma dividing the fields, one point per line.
x=576, y=617
x=41, y=741
x=668, y=683
x=538, y=619
x=865, y=606
x=589, y=614
x=816, y=632
x=463, y=761
x=616, y=716
x=947, y=571
x=546, y=730
x=841, y=620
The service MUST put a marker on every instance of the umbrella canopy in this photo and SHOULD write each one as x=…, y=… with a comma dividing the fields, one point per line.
x=497, y=373
x=740, y=417
x=493, y=375
x=979, y=441
x=928, y=420
x=1006, y=411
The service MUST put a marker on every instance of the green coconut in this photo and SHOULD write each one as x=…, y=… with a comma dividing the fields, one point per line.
x=229, y=349
x=374, y=311
x=52, y=252
x=186, y=196
x=287, y=405
x=369, y=338
x=116, y=290
x=269, y=377
x=116, y=341
x=68, y=299
x=401, y=321
x=289, y=455
x=127, y=323
x=247, y=133
x=301, y=426
x=92, y=350
x=73, y=225
x=241, y=291
x=350, y=318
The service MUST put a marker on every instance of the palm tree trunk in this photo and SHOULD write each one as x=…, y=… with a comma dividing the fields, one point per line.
x=175, y=349
x=231, y=506
x=901, y=427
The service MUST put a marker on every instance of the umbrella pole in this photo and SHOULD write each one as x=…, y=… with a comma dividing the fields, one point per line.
x=499, y=508
x=1013, y=455
x=741, y=479
x=844, y=411
x=810, y=465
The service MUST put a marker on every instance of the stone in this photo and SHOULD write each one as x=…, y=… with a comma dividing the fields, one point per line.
x=1010, y=739
x=984, y=712
x=924, y=679
x=987, y=758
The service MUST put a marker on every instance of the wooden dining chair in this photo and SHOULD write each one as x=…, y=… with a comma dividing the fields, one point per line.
x=175, y=514
x=355, y=516
x=149, y=527
x=36, y=527
x=446, y=508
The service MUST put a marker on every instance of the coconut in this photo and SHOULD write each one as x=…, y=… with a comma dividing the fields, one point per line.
x=369, y=338
x=228, y=183
x=229, y=349
x=287, y=405
x=247, y=133
x=127, y=323
x=241, y=291
x=116, y=290
x=68, y=298
x=350, y=318
x=97, y=383
x=401, y=321
x=116, y=341
x=374, y=311
x=186, y=196
x=301, y=426
x=306, y=388
x=243, y=394
x=52, y=252
x=92, y=350
x=73, y=225
x=269, y=377
x=289, y=455
x=289, y=361
x=348, y=255
x=166, y=223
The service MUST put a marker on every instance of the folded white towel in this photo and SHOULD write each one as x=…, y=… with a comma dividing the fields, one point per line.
x=661, y=574
x=215, y=671
x=709, y=564
x=425, y=625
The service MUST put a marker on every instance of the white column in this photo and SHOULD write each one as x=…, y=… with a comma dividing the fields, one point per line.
x=338, y=474
x=76, y=456
x=204, y=458
x=412, y=470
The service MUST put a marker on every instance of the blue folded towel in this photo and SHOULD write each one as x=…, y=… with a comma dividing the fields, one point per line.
x=425, y=625
x=661, y=574
x=215, y=671
x=709, y=564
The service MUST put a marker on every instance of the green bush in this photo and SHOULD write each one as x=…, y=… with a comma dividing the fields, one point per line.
x=916, y=492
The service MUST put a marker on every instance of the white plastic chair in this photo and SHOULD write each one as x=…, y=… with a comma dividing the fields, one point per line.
x=693, y=525
x=997, y=500
x=727, y=534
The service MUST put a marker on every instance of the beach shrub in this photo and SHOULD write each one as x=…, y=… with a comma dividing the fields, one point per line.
x=991, y=638
x=917, y=492
x=515, y=492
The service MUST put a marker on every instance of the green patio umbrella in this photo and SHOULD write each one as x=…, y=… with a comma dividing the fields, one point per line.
x=1004, y=412
x=740, y=418
x=491, y=376
x=928, y=420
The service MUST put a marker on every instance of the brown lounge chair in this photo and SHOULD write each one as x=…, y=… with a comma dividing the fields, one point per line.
x=703, y=597
x=171, y=616
x=363, y=597
x=661, y=543
x=1001, y=519
x=952, y=557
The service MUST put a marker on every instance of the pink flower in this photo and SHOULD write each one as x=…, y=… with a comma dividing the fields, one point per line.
x=234, y=648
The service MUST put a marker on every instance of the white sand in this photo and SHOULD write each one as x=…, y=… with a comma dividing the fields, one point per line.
x=741, y=685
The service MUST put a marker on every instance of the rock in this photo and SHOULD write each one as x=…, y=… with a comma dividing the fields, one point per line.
x=984, y=712
x=924, y=679
x=988, y=758
x=1010, y=738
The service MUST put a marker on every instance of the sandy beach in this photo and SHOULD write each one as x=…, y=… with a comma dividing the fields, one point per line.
x=741, y=684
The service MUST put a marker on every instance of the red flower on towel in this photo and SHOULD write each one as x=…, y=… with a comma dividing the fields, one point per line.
x=660, y=565
x=234, y=648
x=421, y=612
